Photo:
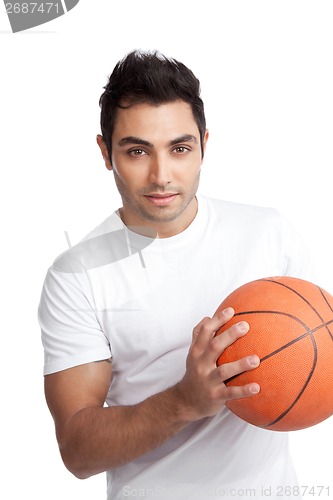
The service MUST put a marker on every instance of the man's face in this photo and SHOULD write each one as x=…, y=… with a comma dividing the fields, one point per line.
x=156, y=160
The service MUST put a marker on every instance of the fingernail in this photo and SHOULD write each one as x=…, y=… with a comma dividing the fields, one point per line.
x=254, y=388
x=228, y=311
x=254, y=360
x=242, y=326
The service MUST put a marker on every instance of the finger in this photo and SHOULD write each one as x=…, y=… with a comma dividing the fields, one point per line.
x=197, y=328
x=206, y=329
x=222, y=317
x=219, y=343
x=241, y=391
x=229, y=336
x=228, y=370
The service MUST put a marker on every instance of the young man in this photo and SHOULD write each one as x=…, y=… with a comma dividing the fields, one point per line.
x=127, y=315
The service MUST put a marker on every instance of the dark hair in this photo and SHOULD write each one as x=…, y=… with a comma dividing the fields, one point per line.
x=152, y=78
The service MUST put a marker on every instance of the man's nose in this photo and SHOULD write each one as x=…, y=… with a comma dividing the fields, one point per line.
x=160, y=171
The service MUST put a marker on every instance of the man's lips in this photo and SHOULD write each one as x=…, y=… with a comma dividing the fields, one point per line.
x=161, y=195
x=161, y=199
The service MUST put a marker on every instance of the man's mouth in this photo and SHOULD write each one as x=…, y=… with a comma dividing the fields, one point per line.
x=161, y=199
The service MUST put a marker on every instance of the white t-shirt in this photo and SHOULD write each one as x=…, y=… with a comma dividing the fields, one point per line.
x=137, y=299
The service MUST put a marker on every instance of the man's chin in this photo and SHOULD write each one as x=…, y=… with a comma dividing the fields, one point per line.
x=161, y=215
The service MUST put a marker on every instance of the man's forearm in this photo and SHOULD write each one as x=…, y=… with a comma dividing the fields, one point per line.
x=98, y=439
x=95, y=439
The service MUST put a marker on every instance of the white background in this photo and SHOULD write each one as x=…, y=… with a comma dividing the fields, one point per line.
x=266, y=74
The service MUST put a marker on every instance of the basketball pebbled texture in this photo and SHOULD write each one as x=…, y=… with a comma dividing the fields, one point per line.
x=291, y=330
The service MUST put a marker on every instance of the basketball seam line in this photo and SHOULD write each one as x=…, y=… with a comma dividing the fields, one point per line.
x=304, y=299
x=283, y=414
x=312, y=339
x=309, y=332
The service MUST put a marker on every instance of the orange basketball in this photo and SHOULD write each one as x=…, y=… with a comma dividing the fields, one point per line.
x=291, y=330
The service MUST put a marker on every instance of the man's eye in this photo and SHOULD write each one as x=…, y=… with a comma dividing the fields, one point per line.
x=137, y=152
x=181, y=149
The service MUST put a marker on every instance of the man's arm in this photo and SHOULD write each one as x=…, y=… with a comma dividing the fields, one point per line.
x=93, y=438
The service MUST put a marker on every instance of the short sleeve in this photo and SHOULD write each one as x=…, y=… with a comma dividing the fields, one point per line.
x=71, y=332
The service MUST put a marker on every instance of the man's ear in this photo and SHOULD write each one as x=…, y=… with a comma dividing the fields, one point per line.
x=104, y=151
x=204, y=145
x=206, y=139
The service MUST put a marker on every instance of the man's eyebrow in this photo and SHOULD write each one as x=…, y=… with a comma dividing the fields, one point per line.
x=134, y=140
x=184, y=138
x=131, y=139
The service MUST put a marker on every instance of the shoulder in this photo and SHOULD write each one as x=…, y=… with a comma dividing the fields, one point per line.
x=240, y=213
x=93, y=250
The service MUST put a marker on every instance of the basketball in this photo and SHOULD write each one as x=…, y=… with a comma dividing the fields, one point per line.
x=291, y=330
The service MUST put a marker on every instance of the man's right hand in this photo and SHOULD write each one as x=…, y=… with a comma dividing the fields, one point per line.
x=202, y=391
